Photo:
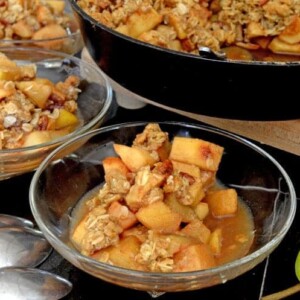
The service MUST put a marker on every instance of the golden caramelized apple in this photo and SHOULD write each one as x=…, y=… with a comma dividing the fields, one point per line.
x=37, y=92
x=163, y=213
x=123, y=254
x=222, y=202
x=134, y=158
x=194, y=258
x=203, y=154
x=141, y=21
x=159, y=217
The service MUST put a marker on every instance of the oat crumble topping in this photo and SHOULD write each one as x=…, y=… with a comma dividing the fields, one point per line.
x=186, y=25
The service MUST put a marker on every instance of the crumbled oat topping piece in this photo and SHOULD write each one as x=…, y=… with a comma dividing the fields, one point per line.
x=103, y=231
x=151, y=139
x=154, y=253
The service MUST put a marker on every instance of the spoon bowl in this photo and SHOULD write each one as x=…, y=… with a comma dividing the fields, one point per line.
x=36, y=284
x=22, y=247
x=8, y=220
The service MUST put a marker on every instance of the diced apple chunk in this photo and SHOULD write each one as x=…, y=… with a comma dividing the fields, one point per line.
x=52, y=33
x=28, y=71
x=141, y=21
x=254, y=29
x=177, y=242
x=9, y=73
x=189, y=169
x=197, y=230
x=222, y=202
x=123, y=254
x=57, y=6
x=197, y=152
x=134, y=158
x=186, y=212
x=176, y=22
x=22, y=29
x=291, y=33
x=158, y=216
x=201, y=210
x=195, y=257
x=37, y=92
x=6, y=62
x=39, y=137
x=113, y=165
x=196, y=192
x=124, y=216
x=116, y=176
x=65, y=119
x=280, y=47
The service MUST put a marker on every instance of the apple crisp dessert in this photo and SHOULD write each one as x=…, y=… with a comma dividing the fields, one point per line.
x=34, y=110
x=185, y=25
x=34, y=20
x=160, y=209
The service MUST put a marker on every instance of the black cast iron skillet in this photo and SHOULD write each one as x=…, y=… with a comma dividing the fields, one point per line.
x=227, y=89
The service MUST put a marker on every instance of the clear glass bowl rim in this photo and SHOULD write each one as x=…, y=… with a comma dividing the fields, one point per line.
x=168, y=277
x=68, y=36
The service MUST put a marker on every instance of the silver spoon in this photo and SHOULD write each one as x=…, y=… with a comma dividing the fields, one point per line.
x=22, y=247
x=32, y=284
x=8, y=220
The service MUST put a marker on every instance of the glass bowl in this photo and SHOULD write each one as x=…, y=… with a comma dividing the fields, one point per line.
x=40, y=29
x=93, y=102
x=59, y=183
